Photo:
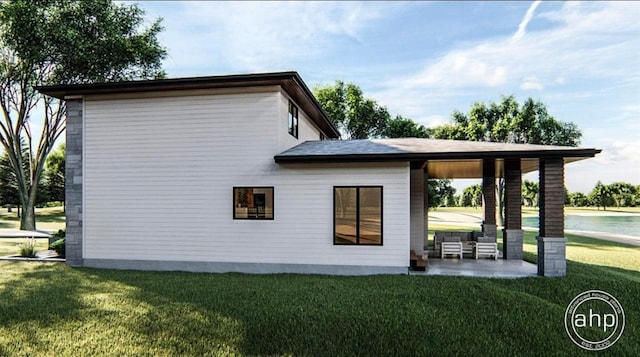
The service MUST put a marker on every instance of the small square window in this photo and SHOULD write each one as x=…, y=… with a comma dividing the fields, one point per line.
x=293, y=120
x=253, y=203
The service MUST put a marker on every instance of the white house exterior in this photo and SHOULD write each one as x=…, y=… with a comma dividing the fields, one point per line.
x=213, y=174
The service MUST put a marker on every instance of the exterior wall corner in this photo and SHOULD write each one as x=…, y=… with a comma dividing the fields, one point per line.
x=73, y=182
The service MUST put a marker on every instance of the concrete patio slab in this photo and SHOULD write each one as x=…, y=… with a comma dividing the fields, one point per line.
x=484, y=268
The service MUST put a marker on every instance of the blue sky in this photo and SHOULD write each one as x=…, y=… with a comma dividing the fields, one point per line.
x=424, y=59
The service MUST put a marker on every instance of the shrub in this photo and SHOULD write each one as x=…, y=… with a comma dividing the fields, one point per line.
x=58, y=246
x=28, y=248
x=59, y=234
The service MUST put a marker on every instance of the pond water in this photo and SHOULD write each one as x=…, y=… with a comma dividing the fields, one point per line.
x=627, y=225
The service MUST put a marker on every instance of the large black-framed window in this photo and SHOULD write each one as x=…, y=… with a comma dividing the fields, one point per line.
x=293, y=120
x=357, y=215
x=253, y=203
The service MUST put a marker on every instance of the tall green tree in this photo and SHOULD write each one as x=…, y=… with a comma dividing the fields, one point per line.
x=623, y=194
x=530, y=192
x=439, y=192
x=601, y=196
x=54, y=174
x=471, y=196
x=400, y=127
x=357, y=117
x=509, y=122
x=579, y=199
x=8, y=190
x=55, y=42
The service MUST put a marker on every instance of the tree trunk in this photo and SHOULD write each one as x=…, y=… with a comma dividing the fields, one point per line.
x=500, y=203
x=28, y=219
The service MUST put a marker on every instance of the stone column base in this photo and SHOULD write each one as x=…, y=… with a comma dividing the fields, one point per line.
x=489, y=230
x=512, y=243
x=552, y=259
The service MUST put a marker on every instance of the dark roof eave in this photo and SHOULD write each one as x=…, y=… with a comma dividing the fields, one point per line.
x=61, y=90
x=283, y=79
x=400, y=157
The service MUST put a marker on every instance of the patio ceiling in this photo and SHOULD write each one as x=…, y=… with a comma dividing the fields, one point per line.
x=440, y=158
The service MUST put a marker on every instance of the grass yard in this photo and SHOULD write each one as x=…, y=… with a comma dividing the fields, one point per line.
x=11, y=246
x=50, y=309
x=49, y=219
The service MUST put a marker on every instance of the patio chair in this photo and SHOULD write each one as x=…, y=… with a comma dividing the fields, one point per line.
x=486, y=247
x=451, y=246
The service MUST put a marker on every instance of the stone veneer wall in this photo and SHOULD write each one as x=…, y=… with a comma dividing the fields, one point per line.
x=73, y=183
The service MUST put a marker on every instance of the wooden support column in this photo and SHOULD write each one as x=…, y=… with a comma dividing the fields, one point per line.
x=416, y=210
x=551, y=241
x=489, y=228
x=426, y=207
x=512, y=233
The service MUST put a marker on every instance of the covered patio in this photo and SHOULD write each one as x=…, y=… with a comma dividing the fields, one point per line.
x=489, y=161
x=486, y=268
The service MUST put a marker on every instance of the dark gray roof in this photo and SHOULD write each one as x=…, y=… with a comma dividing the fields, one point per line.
x=410, y=149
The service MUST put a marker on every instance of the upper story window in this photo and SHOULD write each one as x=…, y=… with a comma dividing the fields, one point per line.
x=293, y=119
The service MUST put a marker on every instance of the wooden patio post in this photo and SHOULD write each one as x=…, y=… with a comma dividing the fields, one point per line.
x=489, y=228
x=512, y=232
x=551, y=241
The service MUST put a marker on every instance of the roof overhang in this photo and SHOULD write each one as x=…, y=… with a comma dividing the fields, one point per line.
x=291, y=82
x=439, y=158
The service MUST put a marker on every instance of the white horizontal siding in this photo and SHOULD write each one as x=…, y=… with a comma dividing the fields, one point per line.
x=159, y=177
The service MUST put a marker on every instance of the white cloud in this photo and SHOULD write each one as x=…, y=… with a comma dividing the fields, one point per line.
x=587, y=40
x=459, y=69
x=522, y=28
x=531, y=83
x=257, y=36
x=625, y=151
x=592, y=42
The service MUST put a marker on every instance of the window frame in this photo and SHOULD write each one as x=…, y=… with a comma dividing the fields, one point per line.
x=248, y=218
x=293, y=119
x=357, y=242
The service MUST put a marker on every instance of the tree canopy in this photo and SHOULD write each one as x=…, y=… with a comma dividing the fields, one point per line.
x=400, y=127
x=509, y=122
x=56, y=42
x=356, y=116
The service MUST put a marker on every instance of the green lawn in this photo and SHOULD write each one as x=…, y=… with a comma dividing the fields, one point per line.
x=11, y=246
x=50, y=218
x=50, y=309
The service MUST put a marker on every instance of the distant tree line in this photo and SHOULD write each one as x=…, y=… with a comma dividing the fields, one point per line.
x=51, y=185
x=617, y=194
